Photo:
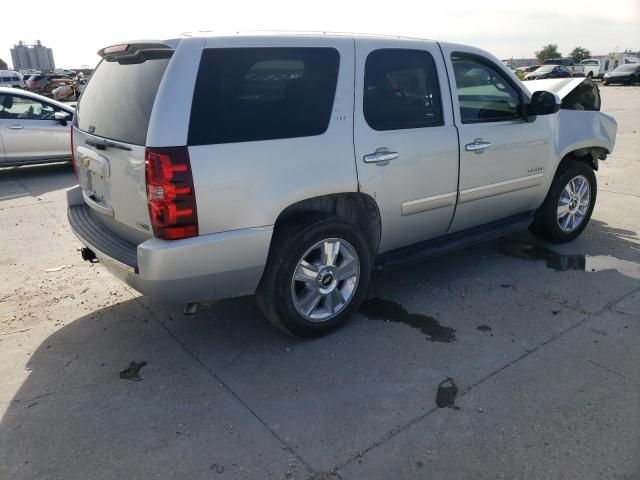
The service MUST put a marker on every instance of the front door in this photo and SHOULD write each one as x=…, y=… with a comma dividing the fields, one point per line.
x=502, y=155
x=29, y=131
x=406, y=143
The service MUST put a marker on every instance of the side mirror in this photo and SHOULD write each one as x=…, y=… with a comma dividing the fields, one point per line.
x=61, y=117
x=543, y=103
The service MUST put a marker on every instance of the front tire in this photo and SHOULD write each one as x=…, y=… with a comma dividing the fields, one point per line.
x=317, y=275
x=569, y=204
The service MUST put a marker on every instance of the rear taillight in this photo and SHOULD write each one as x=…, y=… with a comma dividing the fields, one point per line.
x=73, y=159
x=170, y=193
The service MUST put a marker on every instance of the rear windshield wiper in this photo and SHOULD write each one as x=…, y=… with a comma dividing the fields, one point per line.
x=104, y=144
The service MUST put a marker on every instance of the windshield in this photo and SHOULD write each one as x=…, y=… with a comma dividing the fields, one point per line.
x=589, y=62
x=626, y=68
x=545, y=69
x=117, y=102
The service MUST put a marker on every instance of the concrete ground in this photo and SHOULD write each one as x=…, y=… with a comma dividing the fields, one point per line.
x=545, y=357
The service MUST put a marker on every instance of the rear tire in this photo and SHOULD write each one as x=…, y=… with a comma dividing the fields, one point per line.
x=567, y=208
x=316, y=276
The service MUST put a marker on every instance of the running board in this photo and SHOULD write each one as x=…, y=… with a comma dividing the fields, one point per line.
x=454, y=241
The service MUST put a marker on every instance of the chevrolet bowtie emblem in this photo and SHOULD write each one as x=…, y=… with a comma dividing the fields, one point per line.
x=84, y=160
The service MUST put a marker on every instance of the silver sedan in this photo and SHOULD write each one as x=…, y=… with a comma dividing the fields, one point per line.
x=33, y=128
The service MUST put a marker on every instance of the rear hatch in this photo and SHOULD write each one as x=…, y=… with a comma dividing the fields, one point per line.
x=109, y=136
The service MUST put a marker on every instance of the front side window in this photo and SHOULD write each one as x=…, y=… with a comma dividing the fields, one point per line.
x=252, y=94
x=401, y=90
x=484, y=93
x=15, y=107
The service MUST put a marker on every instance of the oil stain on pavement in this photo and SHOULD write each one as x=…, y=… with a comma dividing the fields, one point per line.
x=386, y=310
x=562, y=263
x=132, y=372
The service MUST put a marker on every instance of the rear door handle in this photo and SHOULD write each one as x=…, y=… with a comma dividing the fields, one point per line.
x=381, y=157
x=15, y=127
x=477, y=146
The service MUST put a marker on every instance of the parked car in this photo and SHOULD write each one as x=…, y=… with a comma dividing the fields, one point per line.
x=45, y=84
x=10, y=78
x=530, y=68
x=288, y=165
x=64, y=71
x=33, y=129
x=626, y=74
x=549, y=71
x=576, y=70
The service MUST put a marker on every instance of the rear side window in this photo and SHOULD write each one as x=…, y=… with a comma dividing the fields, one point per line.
x=401, y=90
x=117, y=102
x=250, y=94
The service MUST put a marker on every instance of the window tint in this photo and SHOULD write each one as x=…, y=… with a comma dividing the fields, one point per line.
x=117, y=102
x=484, y=94
x=401, y=90
x=23, y=108
x=251, y=94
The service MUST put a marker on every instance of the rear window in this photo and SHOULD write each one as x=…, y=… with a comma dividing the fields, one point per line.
x=35, y=78
x=117, y=102
x=251, y=94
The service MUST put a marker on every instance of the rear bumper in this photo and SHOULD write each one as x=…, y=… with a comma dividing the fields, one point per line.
x=208, y=267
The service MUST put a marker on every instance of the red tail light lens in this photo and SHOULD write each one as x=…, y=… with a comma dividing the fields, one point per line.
x=170, y=193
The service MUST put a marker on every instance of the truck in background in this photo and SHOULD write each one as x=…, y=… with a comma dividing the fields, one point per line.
x=596, y=67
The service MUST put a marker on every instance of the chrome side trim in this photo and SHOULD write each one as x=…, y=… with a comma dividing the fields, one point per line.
x=428, y=203
x=499, y=188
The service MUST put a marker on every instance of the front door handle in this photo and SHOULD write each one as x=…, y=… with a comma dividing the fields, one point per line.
x=477, y=146
x=15, y=127
x=382, y=157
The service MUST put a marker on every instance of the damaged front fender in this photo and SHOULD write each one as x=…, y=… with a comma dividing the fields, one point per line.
x=581, y=128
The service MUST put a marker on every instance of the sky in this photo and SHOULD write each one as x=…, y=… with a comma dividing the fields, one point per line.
x=507, y=28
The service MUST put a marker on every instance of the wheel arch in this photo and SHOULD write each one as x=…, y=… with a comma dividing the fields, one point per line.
x=356, y=207
x=589, y=155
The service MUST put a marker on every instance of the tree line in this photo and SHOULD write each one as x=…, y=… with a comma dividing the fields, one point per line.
x=577, y=54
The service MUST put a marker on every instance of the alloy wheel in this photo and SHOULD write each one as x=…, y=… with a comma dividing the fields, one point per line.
x=325, y=279
x=573, y=204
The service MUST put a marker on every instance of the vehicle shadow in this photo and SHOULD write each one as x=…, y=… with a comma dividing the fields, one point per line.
x=78, y=416
x=34, y=180
x=74, y=417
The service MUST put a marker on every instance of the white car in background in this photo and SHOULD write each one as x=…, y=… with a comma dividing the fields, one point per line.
x=33, y=128
x=10, y=78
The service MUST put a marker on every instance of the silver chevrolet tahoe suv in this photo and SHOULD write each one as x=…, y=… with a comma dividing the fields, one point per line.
x=290, y=165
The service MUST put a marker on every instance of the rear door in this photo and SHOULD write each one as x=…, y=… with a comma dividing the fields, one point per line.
x=270, y=125
x=29, y=130
x=406, y=143
x=110, y=133
x=502, y=155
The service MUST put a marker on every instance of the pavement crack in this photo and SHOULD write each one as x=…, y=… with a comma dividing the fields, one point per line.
x=605, y=368
x=620, y=193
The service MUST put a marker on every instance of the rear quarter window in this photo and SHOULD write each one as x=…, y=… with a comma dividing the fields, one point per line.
x=252, y=94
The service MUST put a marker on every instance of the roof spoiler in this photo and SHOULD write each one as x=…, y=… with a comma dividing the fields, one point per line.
x=131, y=52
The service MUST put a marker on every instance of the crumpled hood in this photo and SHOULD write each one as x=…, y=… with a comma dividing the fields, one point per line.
x=575, y=93
x=561, y=86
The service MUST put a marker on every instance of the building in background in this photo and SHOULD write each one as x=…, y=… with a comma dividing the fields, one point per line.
x=3, y=65
x=35, y=56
